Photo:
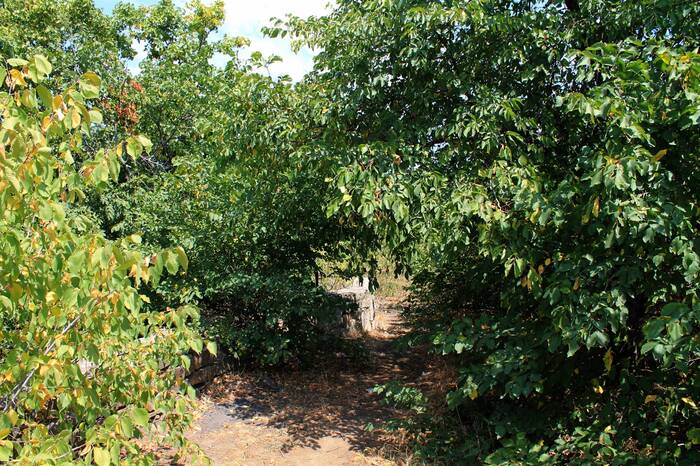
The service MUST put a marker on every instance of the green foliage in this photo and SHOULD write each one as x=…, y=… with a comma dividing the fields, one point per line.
x=229, y=178
x=86, y=366
x=402, y=396
x=533, y=165
x=271, y=319
x=74, y=34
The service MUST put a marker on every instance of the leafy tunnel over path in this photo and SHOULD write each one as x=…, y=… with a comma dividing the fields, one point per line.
x=531, y=166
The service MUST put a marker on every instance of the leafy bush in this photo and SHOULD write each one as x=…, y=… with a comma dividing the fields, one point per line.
x=272, y=319
x=532, y=166
x=87, y=368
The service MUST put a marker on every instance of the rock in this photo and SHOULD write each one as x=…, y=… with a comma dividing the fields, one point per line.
x=199, y=360
x=204, y=375
x=360, y=317
x=203, y=366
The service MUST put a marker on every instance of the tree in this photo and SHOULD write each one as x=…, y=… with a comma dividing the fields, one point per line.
x=230, y=178
x=87, y=367
x=75, y=34
x=533, y=166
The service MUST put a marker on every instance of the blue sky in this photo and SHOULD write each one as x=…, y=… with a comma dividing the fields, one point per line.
x=247, y=17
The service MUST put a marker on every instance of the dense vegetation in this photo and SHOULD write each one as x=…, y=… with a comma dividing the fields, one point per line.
x=532, y=166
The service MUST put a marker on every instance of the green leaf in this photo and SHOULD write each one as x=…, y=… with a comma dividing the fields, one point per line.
x=653, y=328
x=140, y=417
x=76, y=261
x=694, y=436
x=130, y=300
x=127, y=426
x=5, y=450
x=171, y=262
x=101, y=456
x=211, y=347
x=6, y=302
x=45, y=96
x=95, y=116
x=145, y=142
x=182, y=258
x=133, y=147
x=196, y=345
x=42, y=65
x=17, y=62
x=648, y=346
x=89, y=85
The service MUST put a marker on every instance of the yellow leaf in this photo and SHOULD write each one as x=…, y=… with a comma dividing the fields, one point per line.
x=101, y=457
x=597, y=387
x=650, y=399
x=75, y=118
x=660, y=154
x=596, y=207
x=46, y=122
x=547, y=261
x=50, y=297
x=474, y=394
x=57, y=102
x=689, y=401
x=17, y=77
x=146, y=274
x=608, y=360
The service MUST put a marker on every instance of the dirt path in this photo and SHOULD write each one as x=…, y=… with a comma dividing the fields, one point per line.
x=314, y=417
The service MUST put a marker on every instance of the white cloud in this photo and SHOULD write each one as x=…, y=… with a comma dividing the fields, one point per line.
x=247, y=18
